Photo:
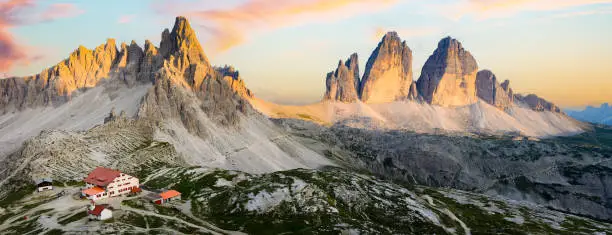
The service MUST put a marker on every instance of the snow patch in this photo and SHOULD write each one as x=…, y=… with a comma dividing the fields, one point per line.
x=263, y=201
x=221, y=182
x=516, y=219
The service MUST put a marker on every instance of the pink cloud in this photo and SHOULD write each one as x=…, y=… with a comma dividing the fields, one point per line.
x=61, y=10
x=124, y=19
x=235, y=25
x=14, y=13
x=10, y=52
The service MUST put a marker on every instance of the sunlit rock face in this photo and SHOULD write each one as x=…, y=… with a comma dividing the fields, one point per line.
x=536, y=103
x=343, y=84
x=183, y=54
x=491, y=91
x=84, y=68
x=187, y=88
x=388, y=72
x=448, y=77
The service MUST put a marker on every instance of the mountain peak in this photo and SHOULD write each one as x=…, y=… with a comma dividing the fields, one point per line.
x=110, y=42
x=388, y=72
x=491, y=91
x=448, y=77
x=391, y=35
x=343, y=83
x=449, y=42
x=182, y=40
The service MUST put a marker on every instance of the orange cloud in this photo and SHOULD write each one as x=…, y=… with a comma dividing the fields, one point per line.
x=233, y=26
x=18, y=12
x=484, y=9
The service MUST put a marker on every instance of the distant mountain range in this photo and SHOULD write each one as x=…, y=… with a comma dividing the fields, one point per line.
x=600, y=115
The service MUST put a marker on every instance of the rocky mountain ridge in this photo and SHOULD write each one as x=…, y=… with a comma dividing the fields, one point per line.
x=187, y=102
x=180, y=58
x=449, y=78
x=601, y=114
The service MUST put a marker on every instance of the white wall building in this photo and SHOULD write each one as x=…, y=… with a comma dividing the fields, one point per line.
x=99, y=212
x=44, y=184
x=103, y=183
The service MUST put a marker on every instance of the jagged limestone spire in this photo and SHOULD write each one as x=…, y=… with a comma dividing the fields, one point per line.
x=182, y=39
x=448, y=77
x=388, y=73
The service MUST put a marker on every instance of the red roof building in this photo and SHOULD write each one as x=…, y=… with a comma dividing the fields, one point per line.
x=97, y=210
x=102, y=176
x=166, y=196
x=169, y=194
x=103, y=183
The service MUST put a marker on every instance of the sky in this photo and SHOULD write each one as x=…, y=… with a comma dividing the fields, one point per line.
x=558, y=49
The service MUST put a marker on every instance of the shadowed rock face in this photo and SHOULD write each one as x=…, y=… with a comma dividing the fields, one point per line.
x=343, y=84
x=489, y=90
x=448, y=77
x=388, y=73
x=536, y=103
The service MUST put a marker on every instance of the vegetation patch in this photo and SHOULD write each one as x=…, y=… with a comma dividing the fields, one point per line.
x=134, y=219
x=55, y=232
x=134, y=203
x=17, y=194
x=73, y=218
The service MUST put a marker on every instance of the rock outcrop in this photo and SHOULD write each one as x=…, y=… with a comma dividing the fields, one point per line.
x=448, y=78
x=388, y=72
x=54, y=85
x=491, y=91
x=536, y=103
x=84, y=68
x=184, y=58
x=343, y=84
x=187, y=86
